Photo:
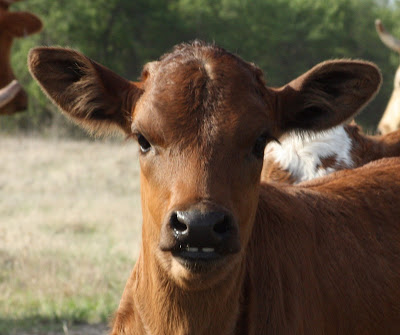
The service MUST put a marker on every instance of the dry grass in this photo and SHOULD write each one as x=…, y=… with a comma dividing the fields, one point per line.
x=69, y=229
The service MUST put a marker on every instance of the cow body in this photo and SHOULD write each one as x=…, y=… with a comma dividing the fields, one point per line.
x=13, y=25
x=222, y=253
x=336, y=270
x=305, y=272
x=301, y=157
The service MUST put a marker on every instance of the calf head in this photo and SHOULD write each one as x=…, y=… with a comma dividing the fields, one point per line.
x=202, y=117
x=12, y=25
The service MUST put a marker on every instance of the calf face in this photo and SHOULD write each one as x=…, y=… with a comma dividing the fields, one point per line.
x=202, y=118
x=13, y=25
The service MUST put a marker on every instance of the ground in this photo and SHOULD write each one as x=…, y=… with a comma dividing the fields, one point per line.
x=99, y=329
x=69, y=230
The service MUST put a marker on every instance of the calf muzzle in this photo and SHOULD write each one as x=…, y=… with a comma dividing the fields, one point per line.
x=200, y=234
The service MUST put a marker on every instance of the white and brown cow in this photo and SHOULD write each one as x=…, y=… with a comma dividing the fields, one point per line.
x=299, y=157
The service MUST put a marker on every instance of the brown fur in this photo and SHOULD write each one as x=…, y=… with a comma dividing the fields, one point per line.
x=272, y=172
x=12, y=25
x=328, y=162
x=318, y=259
x=369, y=148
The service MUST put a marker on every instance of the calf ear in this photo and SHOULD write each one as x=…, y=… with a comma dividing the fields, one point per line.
x=92, y=95
x=20, y=24
x=327, y=95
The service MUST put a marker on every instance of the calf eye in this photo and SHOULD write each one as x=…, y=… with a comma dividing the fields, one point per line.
x=259, y=146
x=145, y=146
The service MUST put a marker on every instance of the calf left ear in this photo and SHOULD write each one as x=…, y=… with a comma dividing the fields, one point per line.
x=20, y=24
x=92, y=95
x=327, y=95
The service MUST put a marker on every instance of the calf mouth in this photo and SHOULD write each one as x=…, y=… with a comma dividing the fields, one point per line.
x=200, y=259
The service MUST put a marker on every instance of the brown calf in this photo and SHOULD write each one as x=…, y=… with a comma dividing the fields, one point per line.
x=222, y=253
x=300, y=157
x=12, y=25
x=391, y=117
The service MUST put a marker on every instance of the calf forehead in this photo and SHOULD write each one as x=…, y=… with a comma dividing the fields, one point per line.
x=201, y=89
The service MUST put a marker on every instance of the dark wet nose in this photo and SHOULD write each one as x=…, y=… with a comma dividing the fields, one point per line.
x=200, y=230
x=197, y=228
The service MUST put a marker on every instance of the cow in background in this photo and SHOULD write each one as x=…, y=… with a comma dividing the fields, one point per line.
x=12, y=25
x=391, y=117
x=301, y=157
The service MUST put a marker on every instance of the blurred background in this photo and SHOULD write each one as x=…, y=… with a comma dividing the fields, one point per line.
x=283, y=37
x=69, y=205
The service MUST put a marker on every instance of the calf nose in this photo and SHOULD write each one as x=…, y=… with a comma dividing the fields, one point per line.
x=202, y=229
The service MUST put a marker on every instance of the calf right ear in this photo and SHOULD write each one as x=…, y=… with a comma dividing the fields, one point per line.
x=327, y=95
x=92, y=95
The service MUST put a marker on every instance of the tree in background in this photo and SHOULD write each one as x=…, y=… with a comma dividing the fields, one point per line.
x=283, y=37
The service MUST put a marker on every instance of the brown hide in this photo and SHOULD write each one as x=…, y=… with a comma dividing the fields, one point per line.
x=332, y=253
x=323, y=258
x=13, y=25
x=369, y=148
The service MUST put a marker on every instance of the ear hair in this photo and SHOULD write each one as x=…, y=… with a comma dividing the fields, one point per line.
x=90, y=94
x=329, y=94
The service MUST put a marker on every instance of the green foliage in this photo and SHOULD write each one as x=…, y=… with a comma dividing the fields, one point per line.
x=283, y=37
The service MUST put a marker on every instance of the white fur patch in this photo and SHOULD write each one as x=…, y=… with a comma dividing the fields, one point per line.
x=301, y=154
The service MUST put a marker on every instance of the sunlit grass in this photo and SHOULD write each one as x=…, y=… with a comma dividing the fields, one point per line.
x=69, y=229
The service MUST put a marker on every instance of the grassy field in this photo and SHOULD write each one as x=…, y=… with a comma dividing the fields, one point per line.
x=69, y=232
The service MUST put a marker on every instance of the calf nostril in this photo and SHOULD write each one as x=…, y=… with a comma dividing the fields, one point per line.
x=177, y=224
x=222, y=226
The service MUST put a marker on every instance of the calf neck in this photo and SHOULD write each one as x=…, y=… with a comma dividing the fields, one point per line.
x=222, y=253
